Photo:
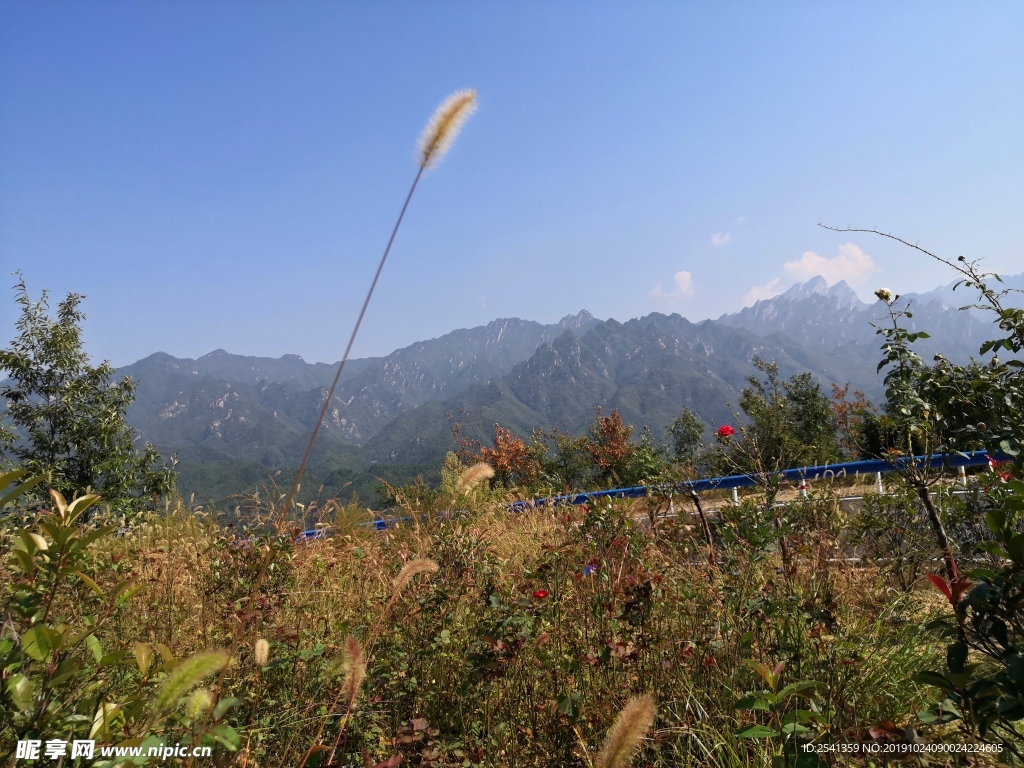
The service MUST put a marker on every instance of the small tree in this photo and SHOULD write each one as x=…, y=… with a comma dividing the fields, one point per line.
x=686, y=435
x=514, y=462
x=609, y=446
x=851, y=419
x=916, y=423
x=789, y=425
x=567, y=461
x=790, y=422
x=67, y=418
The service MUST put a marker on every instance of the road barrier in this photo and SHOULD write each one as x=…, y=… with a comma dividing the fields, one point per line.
x=801, y=475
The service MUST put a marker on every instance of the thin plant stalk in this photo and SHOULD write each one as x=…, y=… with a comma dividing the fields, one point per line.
x=348, y=350
x=441, y=131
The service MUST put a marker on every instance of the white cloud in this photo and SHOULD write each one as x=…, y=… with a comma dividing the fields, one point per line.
x=766, y=291
x=740, y=220
x=852, y=265
x=482, y=301
x=721, y=239
x=682, y=288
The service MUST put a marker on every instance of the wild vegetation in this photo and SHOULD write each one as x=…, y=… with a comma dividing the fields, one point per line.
x=781, y=630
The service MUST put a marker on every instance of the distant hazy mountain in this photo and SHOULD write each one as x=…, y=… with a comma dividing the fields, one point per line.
x=648, y=369
x=836, y=320
x=260, y=411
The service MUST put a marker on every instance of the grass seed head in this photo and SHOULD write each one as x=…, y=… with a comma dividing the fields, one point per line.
x=444, y=126
x=472, y=477
x=198, y=703
x=262, y=652
x=356, y=669
x=413, y=568
x=187, y=674
x=624, y=738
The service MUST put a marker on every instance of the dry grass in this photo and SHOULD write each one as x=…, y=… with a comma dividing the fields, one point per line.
x=534, y=632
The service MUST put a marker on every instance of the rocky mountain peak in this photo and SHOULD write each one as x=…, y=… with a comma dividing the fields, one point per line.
x=816, y=285
x=579, y=320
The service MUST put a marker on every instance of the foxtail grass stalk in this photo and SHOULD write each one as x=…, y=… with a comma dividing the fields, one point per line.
x=437, y=138
x=348, y=349
x=624, y=738
x=471, y=478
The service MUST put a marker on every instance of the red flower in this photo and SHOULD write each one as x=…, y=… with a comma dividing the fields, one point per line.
x=540, y=594
x=725, y=431
x=709, y=661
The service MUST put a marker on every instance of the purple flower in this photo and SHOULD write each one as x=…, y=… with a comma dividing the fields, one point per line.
x=589, y=570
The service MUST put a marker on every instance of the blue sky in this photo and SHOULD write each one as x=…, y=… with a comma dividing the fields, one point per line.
x=215, y=174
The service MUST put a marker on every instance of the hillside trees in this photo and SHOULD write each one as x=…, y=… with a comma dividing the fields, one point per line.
x=65, y=418
x=556, y=461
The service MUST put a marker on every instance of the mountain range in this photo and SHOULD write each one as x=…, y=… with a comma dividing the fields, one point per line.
x=232, y=420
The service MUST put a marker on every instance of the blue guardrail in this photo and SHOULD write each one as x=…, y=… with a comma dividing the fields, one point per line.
x=826, y=471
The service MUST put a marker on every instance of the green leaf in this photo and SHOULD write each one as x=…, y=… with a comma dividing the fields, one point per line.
x=143, y=657
x=128, y=594
x=90, y=584
x=1015, y=548
x=39, y=642
x=112, y=658
x=94, y=645
x=935, y=679
x=227, y=736
x=6, y=478
x=105, y=714
x=756, y=732
x=79, y=505
x=22, y=692
x=11, y=495
x=224, y=705
x=33, y=542
x=752, y=702
x=148, y=743
x=569, y=705
x=92, y=536
x=797, y=687
x=956, y=656
x=994, y=548
x=24, y=560
x=995, y=519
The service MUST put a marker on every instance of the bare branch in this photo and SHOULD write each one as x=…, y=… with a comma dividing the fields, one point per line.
x=973, y=277
x=962, y=270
